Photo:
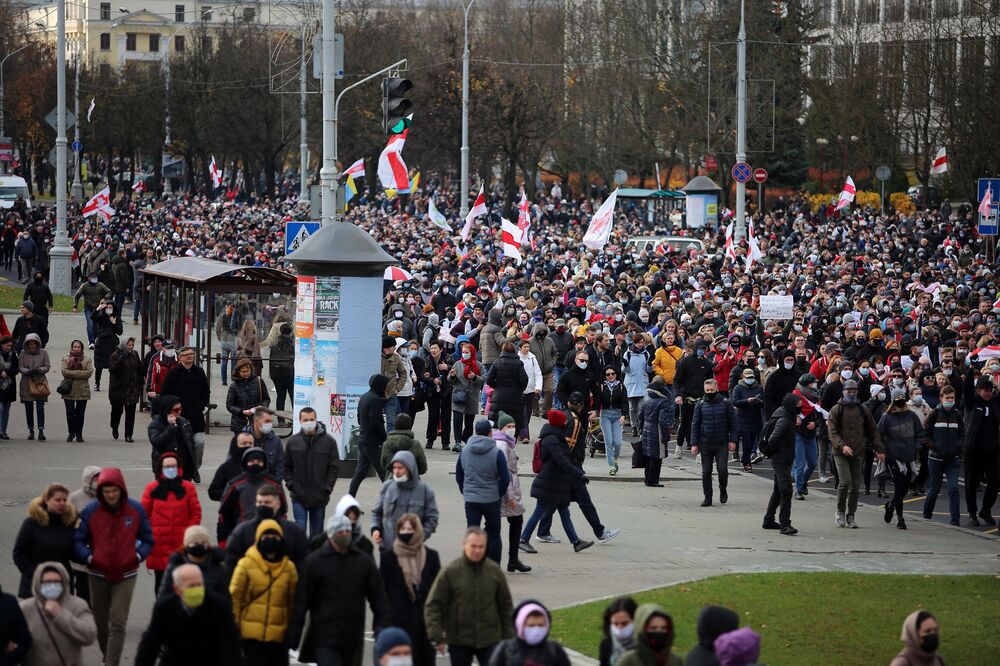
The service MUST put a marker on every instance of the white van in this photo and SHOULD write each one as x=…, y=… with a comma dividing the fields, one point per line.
x=656, y=244
x=10, y=188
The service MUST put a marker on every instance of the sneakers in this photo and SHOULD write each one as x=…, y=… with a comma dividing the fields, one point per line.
x=697, y=459
x=678, y=452
x=526, y=547
x=91, y=346
x=613, y=469
x=582, y=545
x=517, y=566
x=889, y=510
x=823, y=478
x=973, y=521
x=850, y=522
x=756, y=458
x=799, y=496
x=747, y=468
x=549, y=539
x=457, y=448
x=608, y=535
x=788, y=530
x=841, y=522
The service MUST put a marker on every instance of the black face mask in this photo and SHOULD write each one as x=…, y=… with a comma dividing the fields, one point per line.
x=254, y=470
x=197, y=550
x=270, y=548
x=930, y=642
x=264, y=512
x=657, y=640
x=405, y=537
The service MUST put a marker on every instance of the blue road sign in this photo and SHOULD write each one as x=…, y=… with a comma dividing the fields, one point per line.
x=76, y=146
x=742, y=173
x=988, y=225
x=993, y=184
x=296, y=234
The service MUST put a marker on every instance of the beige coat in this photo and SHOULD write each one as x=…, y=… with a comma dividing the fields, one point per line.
x=81, y=379
x=66, y=633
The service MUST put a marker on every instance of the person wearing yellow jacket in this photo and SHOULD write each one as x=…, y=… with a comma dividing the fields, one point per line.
x=263, y=592
x=667, y=355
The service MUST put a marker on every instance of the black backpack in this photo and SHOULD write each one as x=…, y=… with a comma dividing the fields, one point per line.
x=763, y=440
x=283, y=353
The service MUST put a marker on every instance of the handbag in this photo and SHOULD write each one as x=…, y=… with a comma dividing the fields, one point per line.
x=38, y=388
x=639, y=457
x=65, y=386
x=459, y=396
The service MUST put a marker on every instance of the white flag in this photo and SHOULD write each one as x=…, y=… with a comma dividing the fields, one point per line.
x=940, y=164
x=600, y=225
x=437, y=218
x=90, y=109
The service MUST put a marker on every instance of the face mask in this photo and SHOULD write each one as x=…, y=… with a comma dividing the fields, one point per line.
x=51, y=590
x=269, y=546
x=342, y=541
x=899, y=403
x=510, y=431
x=582, y=365
x=399, y=660
x=749, y=381
x=846, y=374
x=110, y=310
x=762, y=363
x=170, y=472
x=723, y=347
x=93, y=280
x=401, y=479
x=622, y=633
x=197, y=550
x=897, y=381
x=535, y=635
x=657, y=640
x=193, y=596
x=850, y=399
x=411, y=353
x=930, y=642
x=405, y=537
x=265, y=428
x=789, y=365
x=264, y=512
x=308, y=426
x=917, y=399
x=699, y=352
x=170, y=353
x=948, y=404
x=466, y=355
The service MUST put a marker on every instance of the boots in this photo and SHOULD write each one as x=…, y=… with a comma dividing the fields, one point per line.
x=515, y=565
x=41, y=434
x=31, y=433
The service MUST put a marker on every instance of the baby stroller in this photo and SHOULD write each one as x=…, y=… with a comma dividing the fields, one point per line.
x=595, y=437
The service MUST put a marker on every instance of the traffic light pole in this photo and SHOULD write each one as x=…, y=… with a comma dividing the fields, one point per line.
x=328, y=172
x=464, y=208
x=741, y=127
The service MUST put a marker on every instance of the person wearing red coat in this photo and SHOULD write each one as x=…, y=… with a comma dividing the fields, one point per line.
x=172, y=506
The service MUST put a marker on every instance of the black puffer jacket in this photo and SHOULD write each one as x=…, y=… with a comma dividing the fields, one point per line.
x=714, y=424
x=105, y=337
x=245, y=394
x=311, y=466
x=780, y=383
x=508, y=380
x=371, y=424
x=782, y=437
x=177, y=436
x=691, y=374
x=555, y=482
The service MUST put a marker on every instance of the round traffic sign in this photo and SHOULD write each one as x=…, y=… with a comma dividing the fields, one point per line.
x=760, y=174
x=620, y=177
x=883, y=172
x=741, y=172
x=76, y=146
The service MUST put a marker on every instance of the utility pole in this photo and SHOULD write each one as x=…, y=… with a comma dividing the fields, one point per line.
x=167, y=187
x=77, y=190
x=741, y=125
x=464, y=208
x=303, y=143
x=328, y=172
x=59, y=274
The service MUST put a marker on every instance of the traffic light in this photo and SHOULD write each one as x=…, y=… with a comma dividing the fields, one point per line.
x=395, y=106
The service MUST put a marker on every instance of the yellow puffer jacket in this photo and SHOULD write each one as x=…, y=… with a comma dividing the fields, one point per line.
x=263, y=592
x=665, y=362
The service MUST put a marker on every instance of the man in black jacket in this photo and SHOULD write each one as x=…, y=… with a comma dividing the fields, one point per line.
x=781, y=382
x=371, y=432
x=312, y=461
x=334, y=583
x=38, y=292
x=189, y=383
x=191, y=626
x=689, y=382
x=29, y=322
x=580, y=379
x=780, y=435
x=982, y=460
x=714, y=431
x=564, y=342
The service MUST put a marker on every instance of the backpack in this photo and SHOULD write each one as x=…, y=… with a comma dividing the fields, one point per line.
x=283, y=353
x=763, y=440
x=536, y=457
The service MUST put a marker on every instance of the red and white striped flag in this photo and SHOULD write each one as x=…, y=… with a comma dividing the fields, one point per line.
x=730, y=249
x=524, y=220
x=847, y=194
x=99, y=203
x=214, y=172
x=940, y=164
x=392, y=171
x=987, y=202
x=139, y=186
x=600, y=225
x=356, y=170
x=511, y=235
x=754, y=253
x=478, y=208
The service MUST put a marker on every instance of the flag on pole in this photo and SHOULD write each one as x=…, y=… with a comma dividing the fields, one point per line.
x=940, y=164
x=97, y=202
x=392, y=171
x=510, y=236
x=350, y=190
x=356, y=170
x=214, y=172
x=847, y=194
x=139, y=186
x=987, y=202
x=600, y=225
x=437, y=217
x=478, y=208
x=90, y=109
x=730, y=250
x=524, y=221
x=753, y=254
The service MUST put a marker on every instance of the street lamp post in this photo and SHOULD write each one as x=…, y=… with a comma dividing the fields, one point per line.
x=303, y=127
x=59, y=273
x=741, y=126
x=464, y=209
x=77, y=189
x=328, y=172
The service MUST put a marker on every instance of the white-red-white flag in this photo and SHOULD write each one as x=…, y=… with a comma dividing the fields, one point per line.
x=478, y=208
x=600, y=225
x=99, y=203
x=730, y=249
x=139, y=186
x=392, y=171
x=214, y=172
x=524, y=220
x=510, y=236
x=753, y=254
x=987, y=202
x=356, y=170
x=847, y=194
x=940, y=164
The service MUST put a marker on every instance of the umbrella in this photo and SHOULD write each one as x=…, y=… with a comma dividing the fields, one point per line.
x=395, y=273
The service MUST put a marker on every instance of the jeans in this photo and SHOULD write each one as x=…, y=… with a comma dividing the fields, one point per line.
x=582, y=498
x=199, y=449
x=611, y=427
x=462, y=434
x=314, y=515
x=404, y=403
x=390, y=408
x=76, y=410
x=490, y=513
x=116, y=417
x=950, y=468
x=339, y=656
x=110, y=603
x=781, y=495
x=461, y=655
x=720, y=456
x=900, y=486
x=849, y=472
x=137, y=304
x=4, y=416
x=545, y=510
x=633, y=411
x=30, y=407
x=981, y=466
x=438, y=413
x=87, y=312
x=805, y=461
x=227, y=355
x=557, y=372
x=282, y=389
x=748, y=440
x=119, y=302
x=368, y=456
x=823, y=440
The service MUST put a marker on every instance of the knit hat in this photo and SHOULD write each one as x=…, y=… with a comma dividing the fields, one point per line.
x=875, y=334
x=28, y=305
x=483, y=427
x=470, y=283
x=388, y=341
x=556, y=418
x=504, y=420
x=389, y=638
x=337, y=523
x=196, y=533
x=898, y=393
x=850, y=384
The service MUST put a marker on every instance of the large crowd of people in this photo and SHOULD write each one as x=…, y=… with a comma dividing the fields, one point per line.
x=884, y=370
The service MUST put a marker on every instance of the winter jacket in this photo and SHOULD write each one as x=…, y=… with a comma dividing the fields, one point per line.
x=508, y=446
x=689, y=379
x=980, y=422
x=407, y=612
x=656, y=415
x=239, y=499
x=533, y=371
x=901, y=434
x=782, y=437
x=177, y=437
x=26, y=325
x=724, y=364
x=271, y=445
x=80, y=388
x=123, y=274
x=612, y=398
x=13, y=631
x=245, y=535
x=403, y=440
x=481, y=471
x=779, y=384
x=352, y=579
x=564, y=343
x=177, y=636
x=508, y=380
x=58, y=639
x=714, y=423
x=543, y=348
x=171, y=506
x=8, y=385
x=944, y=429
x=213, y=571
x=517, y=651
x=852, y=425
x=105, y=337
x=32, y=365
x=91, y=294
x=230, y=468
x=81, y=497
x=245, y=394
x=281, y=361
x=736, y=376
x=637, y=366
x=371, y=423
x=470, y=605
x=263, y=592
x=191, y=386
x=642, y=654
x=749, y=415
x=472, y=385
x=113, y=541
x=392, y=367
x=125, y=382
x=312, y=464
x=43, y=537
x=224, y=332
x=577, y=379
x=39, y=293
x=410, y=496
x=912, y=654
x=554, y=484
x=491, y=338
x=159, y=365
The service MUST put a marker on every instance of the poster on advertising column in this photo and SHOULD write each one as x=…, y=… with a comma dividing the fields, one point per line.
x=302, y=386
x=344, y=421
x=326, y=350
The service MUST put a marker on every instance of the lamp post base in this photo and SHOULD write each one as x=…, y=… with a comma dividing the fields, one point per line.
x=60, y=270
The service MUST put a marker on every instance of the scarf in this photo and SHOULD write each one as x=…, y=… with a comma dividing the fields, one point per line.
x=471, y=367
x=164, y=486
x=619, y=646
x=612, y=385
x=411, y=557
x=75, y=361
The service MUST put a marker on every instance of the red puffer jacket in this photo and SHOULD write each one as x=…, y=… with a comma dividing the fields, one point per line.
x=172, y=506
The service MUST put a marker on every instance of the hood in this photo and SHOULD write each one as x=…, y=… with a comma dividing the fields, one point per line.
x=89, y=472
x=158, y=467
x=480, y=445
x=540, y=326
x=658, y=391
x=253, y=452
x=644, y=614
x=407, y=459
x=713, y=621
x=32, y=336
x=790, y=404
x=910, y=634
x=36, y=580
x=235, y=452
x=399, y=440
x=738, y=647
x=38, y=513
x=526, y=608
x=161, y=405
x=433, y=319
x=111, y=476
x=269, y=525
x=378, y=384
x=345, y=503
x=493, y=317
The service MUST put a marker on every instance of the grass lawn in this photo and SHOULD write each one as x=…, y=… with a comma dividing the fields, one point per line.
x=821, y=618
x=12, y=297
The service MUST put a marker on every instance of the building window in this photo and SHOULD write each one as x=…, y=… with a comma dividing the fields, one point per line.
x=105, y=41
x=249, y=13
x=130, y=41
x=206, y=43
x=179, y=43
x=154, y=42
x=105, y=11
x=206, y=14
x=179, y=13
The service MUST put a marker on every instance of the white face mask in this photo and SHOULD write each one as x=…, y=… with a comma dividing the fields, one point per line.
x=846, y=374
x=466, y=355
x=789, y=365
x=308, y=426
x=170, y=353
x=266, y=427
x=582, y=365
x=51, y=591
x=399, y=660
x=535, y=635
x=510, y=431
x=401, y=478
x=622, y=633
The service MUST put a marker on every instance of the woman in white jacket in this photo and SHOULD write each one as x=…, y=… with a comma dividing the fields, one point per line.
x=532, y=390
